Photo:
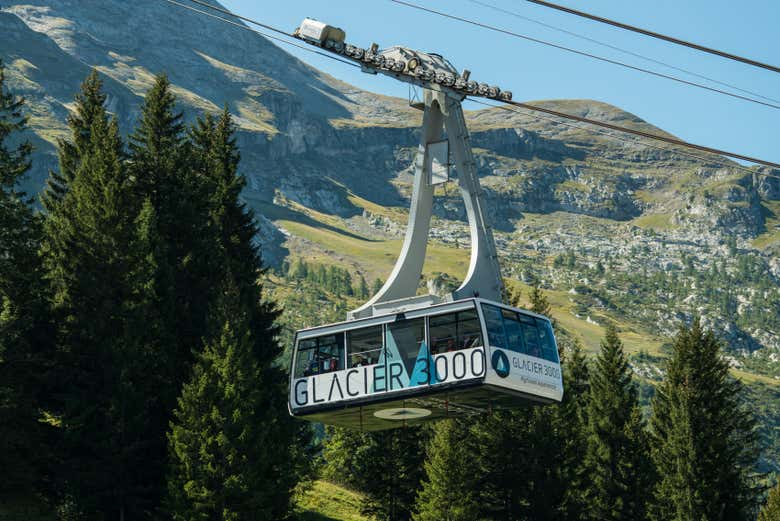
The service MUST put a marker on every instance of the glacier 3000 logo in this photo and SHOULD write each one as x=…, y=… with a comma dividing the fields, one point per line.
x=500, y=363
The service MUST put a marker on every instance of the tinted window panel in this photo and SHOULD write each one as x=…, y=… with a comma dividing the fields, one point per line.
x=514, y=333
x=531, y=337
x=455, y=331
x=546, y=339
x=307, y=350
x=330, y=352
x=364, y=346
x=404, y=340
x=444, y=333
x=495, y=326
x=320, y=355
x=469, y=329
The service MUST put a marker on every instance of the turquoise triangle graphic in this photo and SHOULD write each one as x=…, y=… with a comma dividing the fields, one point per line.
x=391, y=355
x=423, y=367
x=501, y=366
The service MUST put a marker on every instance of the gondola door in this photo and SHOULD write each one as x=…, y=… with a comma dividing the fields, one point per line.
x=407, y=355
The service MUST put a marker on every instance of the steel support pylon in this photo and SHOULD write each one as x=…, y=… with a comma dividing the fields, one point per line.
x=483, y=279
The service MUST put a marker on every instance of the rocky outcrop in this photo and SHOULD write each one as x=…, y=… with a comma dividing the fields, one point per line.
x=769, y=184
x=518, y=143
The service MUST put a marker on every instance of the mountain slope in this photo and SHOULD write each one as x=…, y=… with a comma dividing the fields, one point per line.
x=615, y=228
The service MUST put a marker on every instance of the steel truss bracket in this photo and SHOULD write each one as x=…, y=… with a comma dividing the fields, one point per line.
x=483, y=278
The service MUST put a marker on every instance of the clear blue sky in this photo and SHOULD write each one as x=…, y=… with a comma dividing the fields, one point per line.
x=535, y=72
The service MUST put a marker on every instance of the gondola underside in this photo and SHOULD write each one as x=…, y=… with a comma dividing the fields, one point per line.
x=467, y=399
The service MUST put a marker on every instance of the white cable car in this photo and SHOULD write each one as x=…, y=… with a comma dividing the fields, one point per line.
x=404, y=358
x=461, y=357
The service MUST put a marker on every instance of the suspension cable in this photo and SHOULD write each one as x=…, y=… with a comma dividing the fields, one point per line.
x=583, y=53
x=271, y=37
x=526, y=106
x=620, y=49
x=576, y=126
x=653, y=34
x=648, y=135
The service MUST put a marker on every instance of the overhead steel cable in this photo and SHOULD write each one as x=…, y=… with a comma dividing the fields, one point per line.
x=271, y=37
x=722, y=161
x=517, y=104
x=620, y=49
x=583, y=53
x=653, y=34
x=253, y=22
x=641, y=133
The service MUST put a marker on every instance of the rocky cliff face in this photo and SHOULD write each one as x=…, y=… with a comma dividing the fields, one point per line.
x=300, y=128
x=309, y=139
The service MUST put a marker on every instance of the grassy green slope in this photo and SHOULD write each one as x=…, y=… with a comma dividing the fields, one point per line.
x=329, y=502
x=771, y=235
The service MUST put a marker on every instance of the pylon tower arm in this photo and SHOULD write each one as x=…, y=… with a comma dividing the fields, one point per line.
x=441, y=110
x=484, y=274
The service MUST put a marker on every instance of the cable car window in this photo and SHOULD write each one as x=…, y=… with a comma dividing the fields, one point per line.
x=320, y=355
x=549, y=350
x=364, y=346
x=495, y=326
x=469, y=329
x=444, y=333
x=454, y=331
x=307, y=351
x=531, y=336
x=514, y=333
x=404, y=340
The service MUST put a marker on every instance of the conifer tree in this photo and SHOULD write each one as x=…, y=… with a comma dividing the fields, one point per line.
x=232, y=230
x=771, y=509
x=362, y=289
x=214, y=149
x=178, y=251
x=449, y=489
x=224, y=455
x=24, y=325
x=501, y=442
x=539, y=302
x=393, y=472
x=703, y=436
x=88, y=262
x=162, y=167
x=512, y=294
x=573, y=412
x=385, y=465
x=88, y=107
x=614, y=460
x=344, y=456
x=376, y=286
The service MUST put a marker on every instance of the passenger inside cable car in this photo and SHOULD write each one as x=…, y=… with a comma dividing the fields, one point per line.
x=364, y=346
x=455, y=331
x=320, y=355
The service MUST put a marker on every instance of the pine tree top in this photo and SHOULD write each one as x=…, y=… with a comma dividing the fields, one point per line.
x=539, y=302
x=89, y=108
x=160, y=126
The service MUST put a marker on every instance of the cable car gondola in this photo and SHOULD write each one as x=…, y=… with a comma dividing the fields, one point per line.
x=403, y=358
x=460, y=357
